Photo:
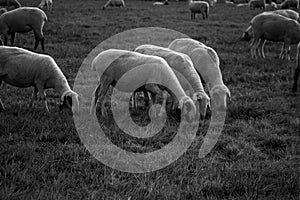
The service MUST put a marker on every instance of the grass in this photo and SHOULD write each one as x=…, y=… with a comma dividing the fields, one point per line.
x=256, y=157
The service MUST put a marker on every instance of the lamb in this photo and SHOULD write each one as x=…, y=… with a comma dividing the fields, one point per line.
x=112, y=64
x=207, y=63
x=23, y=68
x=297, y=70
x=47, y=3
x=198, y=7
x=23, y=20
x=114, y=3
x=257, y=4
x=289, y=4
x=159, y=3
x=10, y=4
x=184, y=71
x=273, y=27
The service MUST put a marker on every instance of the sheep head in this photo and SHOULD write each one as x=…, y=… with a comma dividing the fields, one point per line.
x=204, y=102
x=247, y=35
x=219, y=95
x=70, y=99
x=188, y=108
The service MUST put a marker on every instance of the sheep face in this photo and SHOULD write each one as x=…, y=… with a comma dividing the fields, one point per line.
x=188, y=108
x=70, y=100
x=219, y=95
x=204, y=102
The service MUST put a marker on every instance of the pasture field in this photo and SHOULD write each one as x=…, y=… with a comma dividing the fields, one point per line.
x=256, y=157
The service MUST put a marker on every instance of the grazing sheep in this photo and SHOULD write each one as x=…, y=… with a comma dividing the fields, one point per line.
x=257, y=4
x=207, y=64
x=289, y=4
x=159, y=3
x=184, y=71
x=276, y=28
x=297, y=70
x=10, y=4
x=112, y=64
x=198, y=7
x=23, y=68
x=114, y=3
x=47, y=3
x=22, y=20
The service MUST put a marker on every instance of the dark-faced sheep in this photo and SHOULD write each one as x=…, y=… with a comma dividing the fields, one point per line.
x=23, y=20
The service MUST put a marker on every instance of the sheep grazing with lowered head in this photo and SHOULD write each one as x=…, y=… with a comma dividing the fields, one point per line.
x=10, y=4
x=112, y=64
x=184, y=70
x=257, y=4
x=276, y=28
x=23, y=20
x=47, y=3
x=201, y=7
x=207, y=64
x=23, y=68
x=114, y=3
x=289, y=4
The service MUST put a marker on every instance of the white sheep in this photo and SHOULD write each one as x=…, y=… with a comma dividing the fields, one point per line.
x=10, y=4
x=201, y=7
x=22, y=20
x=257, y=4
x=297, y=70
x=160, y=3
x=114, y=3
x=207, y=64
x=289, y=4
x=112, y=64
x=47, y=3
x=184, y=70
x=23, y=68
x=276, y=28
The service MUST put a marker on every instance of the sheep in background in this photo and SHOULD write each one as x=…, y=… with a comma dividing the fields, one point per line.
x=23, y=68
x=297, y=70
x=112, y=64
x=47, y=3
x=257, y=4
x=289, y=4
x=10, y=4
x=207, y=64
x=230, y=3
x=184, y=70
x=201, y=7
x=23, y=20
x=159, y=3
x=276, y=28
x=114, y=3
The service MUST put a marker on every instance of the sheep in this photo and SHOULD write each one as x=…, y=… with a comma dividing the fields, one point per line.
x=22, y=20
x=206, y=62
x=184, y=70
x=23, y=68
x=10, y=4
x=273, y=27
x=2, y=10
x=159, y=3
x=297, y=70
x=47, y=3
x=112, y=64
x=242, y=5
x=114, y=3
x=198, y=7
x=257, y=4
x=289, y=4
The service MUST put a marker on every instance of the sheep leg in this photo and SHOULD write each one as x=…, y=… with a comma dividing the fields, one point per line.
x=12, y=39
x=156, y=90
x=42, y=95
x=34, y=96
x=146, y=96
x=260, y=48
x=296, y=76
x=252, y=48
x=281, y=56
x=39, y=37
x=1, y=103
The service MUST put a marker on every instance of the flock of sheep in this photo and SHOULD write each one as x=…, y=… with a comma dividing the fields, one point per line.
x=179, y=66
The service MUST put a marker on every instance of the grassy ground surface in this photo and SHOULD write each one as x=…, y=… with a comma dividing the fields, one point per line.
x=256, y=157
